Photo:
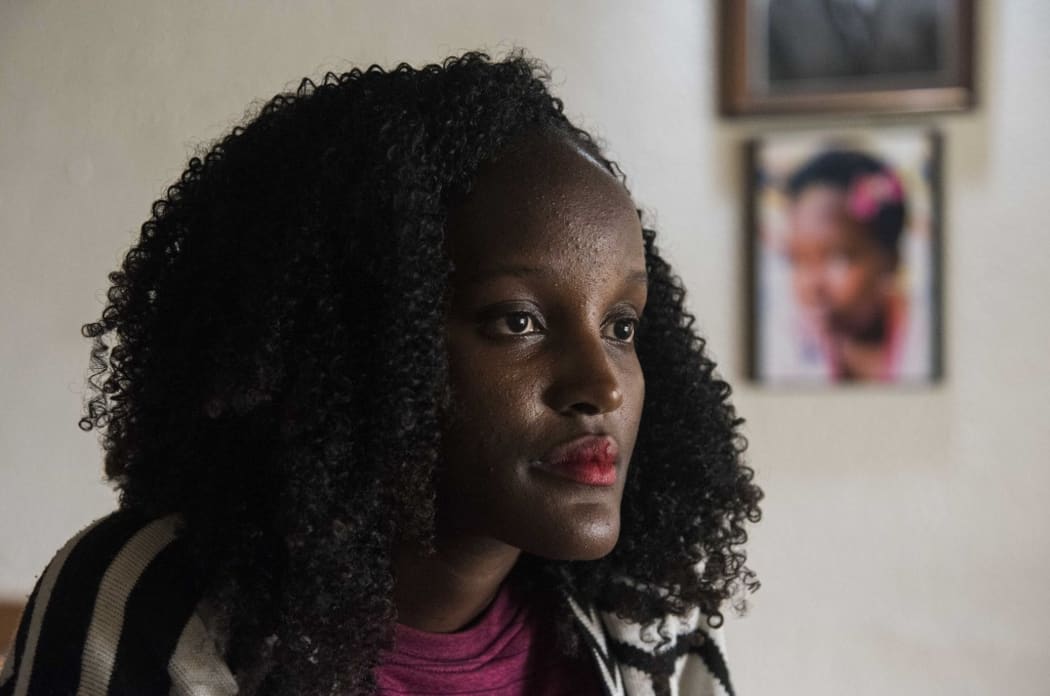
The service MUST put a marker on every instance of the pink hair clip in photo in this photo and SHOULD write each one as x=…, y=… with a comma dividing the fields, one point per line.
x=871, y=192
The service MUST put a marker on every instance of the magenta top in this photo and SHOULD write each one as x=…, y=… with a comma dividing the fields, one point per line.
x=508, y=650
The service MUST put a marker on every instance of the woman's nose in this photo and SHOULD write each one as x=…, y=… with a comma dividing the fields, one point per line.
x=586, y=380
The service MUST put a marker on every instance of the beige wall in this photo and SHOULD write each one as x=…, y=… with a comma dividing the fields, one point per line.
x=905, y=547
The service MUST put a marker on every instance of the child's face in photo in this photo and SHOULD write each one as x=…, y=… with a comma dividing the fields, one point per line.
x=839, y=273
x=549, y=280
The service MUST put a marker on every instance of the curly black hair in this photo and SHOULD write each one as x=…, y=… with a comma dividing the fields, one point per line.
x=273, y=374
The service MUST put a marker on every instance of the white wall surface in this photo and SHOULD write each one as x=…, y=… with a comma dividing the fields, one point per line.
x=906, y=544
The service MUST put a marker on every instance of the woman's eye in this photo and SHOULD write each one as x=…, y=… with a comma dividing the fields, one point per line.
x=623, y=329
x=517, y=324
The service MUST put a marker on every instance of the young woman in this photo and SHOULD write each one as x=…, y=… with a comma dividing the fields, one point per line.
x=399, y=395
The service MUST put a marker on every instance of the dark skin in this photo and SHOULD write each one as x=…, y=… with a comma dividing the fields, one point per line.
x=548, y=285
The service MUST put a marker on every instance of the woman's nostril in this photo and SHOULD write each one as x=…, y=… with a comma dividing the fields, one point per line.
x=586, y=408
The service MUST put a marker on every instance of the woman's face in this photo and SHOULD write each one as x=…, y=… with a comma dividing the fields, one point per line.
x=840, y=273
x=548, y=284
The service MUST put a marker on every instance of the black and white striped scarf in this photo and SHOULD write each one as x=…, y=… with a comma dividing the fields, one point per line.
x=115, y=613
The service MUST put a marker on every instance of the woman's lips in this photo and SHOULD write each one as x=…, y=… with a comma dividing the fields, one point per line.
x=590, y=459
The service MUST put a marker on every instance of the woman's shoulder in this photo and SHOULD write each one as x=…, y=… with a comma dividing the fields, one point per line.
x=109, y=611
x=685, y=647
x=683, y=651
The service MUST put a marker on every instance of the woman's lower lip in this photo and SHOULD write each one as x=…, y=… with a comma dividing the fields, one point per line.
x=600, y=474
x=587, y=460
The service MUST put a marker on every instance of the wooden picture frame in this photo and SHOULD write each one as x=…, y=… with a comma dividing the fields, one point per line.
x=787, y=347
x=811, y=56
x=10, y=613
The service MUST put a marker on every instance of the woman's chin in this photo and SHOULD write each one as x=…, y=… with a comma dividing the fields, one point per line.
x=587, y=539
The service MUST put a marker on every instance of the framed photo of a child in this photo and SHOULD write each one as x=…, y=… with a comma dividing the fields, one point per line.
x=844, y=249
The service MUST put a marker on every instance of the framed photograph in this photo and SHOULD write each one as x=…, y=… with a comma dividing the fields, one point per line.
x=844, y=257
x=817, y=56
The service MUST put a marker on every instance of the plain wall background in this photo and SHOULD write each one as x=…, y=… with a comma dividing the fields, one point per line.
x=905, y=544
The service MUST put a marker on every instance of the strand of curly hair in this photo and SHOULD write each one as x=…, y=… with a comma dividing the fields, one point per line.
x=271, y=364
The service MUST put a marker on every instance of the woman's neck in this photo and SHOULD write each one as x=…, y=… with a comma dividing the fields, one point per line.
x=444, y=591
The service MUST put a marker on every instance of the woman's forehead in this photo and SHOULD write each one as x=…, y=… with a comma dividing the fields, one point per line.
x=546, y=197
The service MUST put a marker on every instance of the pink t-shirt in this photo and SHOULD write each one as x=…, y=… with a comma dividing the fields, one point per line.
x=508, y=650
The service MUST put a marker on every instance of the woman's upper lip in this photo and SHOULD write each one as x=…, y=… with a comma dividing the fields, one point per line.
x=565, y=450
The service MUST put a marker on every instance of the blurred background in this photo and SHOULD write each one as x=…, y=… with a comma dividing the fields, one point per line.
x=906, y=540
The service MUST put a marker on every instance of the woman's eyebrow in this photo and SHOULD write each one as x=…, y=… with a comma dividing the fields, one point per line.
x=638, y=278
x=518, y=271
